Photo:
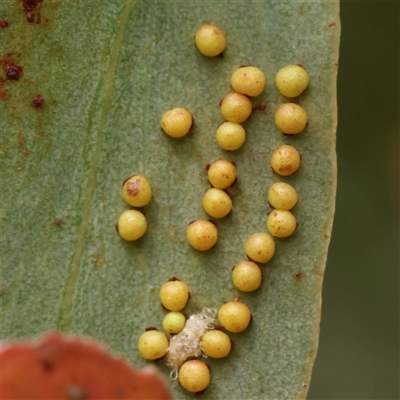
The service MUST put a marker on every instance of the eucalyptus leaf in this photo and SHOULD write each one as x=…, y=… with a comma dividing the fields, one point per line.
x=107, y=71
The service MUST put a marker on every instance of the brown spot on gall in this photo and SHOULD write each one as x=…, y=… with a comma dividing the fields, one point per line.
x=37, y=101
x=133, y=188
x=76, y=393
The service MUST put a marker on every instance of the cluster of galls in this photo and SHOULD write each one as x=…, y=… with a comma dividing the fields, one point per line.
x=236, y=107
x=193, y=375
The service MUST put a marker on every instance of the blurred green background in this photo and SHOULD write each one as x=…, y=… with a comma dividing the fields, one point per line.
x=358, y=356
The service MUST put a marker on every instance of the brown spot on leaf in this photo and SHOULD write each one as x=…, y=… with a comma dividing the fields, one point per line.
x=151, y=328
x=13, y=71
x=37, y=101
x=3, y=23
x=38, y=19
x=30, y=16
x=100, y=259
x=3, y=289
x=332, y=24
x=58, y=222
x=298, y=275
x=260, y=107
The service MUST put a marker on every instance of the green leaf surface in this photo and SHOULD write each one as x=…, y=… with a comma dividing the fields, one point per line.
x=107, y=72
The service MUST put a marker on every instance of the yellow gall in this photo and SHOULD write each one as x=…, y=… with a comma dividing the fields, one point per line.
x=290, y=118
x=153, y=345
x=260, y=247
x=234, y=316
x=230, y=136
x=217, y=203
x=285, y=160
x=236, y=107
x=210, y=40
x=222, y=174
x=282, y=196
x=247, y=276
x=136, y=191
x=216, y=344
x=248, y=80
x=131, y=225
x=202, y=235
x=174, y=295
x=291, y=81
x=281, y=223
x=176, y=122
x=194, y=376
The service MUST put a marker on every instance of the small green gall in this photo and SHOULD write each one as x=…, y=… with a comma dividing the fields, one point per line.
x=291, y=81
x=234, y=316
x=194, y=376
x=248, y=80
x=177, y=122
x=153, y=345
x=285, y=160
x=236, y=107
x=290, y=118
x=216, y=344
x=282, y=196
x=202, y=235
x=210, y=40
x=222, y=174
x=247, y=276
x=136, y=191
x=217, y=203
x=174, y=322
x=281, y=223
x=230, y=136
x=260, y=247
x=132, y=225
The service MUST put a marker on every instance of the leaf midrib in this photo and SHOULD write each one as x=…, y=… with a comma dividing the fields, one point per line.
x=107, y=81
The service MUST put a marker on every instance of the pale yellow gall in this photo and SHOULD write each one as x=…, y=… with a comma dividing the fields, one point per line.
x=236, y=107
x=234, y=316
x=281, y=223
x=290, y=118
x=174, y=295
x=260, y=247
x=217, y=203
x=216, y=344
x=210, y=40
x=153, y=345
x=202, y=235
x=230, y=136
x=248, y=80
x=194, y=376
x=282, y=196
x=136, y=191
x=177, y=122
x=174, y=322
x=222, y=174
x=131, y=225
x=285, y=160
x=247, y=276
x=291, y=81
